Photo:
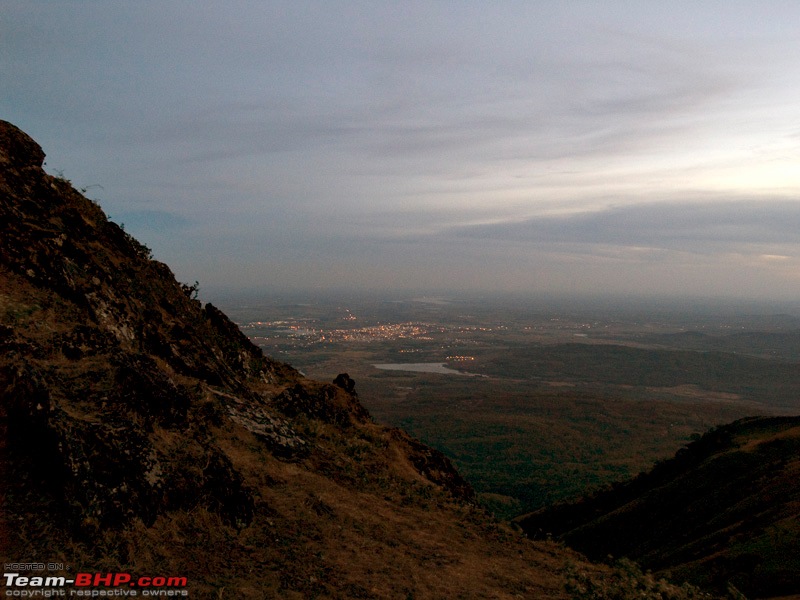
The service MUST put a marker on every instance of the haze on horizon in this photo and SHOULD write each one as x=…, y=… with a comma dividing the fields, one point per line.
x=570, y=147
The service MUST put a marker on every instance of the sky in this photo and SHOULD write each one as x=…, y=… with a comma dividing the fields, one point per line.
x=642, y=148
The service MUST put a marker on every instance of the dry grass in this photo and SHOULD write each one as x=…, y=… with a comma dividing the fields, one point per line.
x=352, y=520
x=371, y=528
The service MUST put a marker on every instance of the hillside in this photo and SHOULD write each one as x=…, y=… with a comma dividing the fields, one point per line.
x=140, y=431
x=726, y=508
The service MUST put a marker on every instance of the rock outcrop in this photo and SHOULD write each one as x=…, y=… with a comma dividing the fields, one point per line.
x=102, y=347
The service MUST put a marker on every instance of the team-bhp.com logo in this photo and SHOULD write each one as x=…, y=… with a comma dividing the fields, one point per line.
x=95, y=585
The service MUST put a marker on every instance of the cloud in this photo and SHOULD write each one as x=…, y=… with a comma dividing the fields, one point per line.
x=427, y=142
x=696, y=227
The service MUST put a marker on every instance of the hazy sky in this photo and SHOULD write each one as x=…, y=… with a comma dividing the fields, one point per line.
x=636, y=147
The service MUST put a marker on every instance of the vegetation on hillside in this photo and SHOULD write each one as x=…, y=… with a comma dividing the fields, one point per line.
x=723, y=510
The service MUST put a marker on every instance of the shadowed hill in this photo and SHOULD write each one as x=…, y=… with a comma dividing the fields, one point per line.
x=141, y=431
x=726, y=508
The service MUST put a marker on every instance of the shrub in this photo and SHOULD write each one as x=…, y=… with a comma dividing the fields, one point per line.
x=626, y=581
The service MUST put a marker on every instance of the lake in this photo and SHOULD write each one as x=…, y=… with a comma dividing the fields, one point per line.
x=439, y=368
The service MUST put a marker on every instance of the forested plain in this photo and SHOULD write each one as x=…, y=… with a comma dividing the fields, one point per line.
x=559, y=402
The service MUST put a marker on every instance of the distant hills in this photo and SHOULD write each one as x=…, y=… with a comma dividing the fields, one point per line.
x=781, y=345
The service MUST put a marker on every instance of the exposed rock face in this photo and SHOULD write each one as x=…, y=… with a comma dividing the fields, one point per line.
x=255, y=415
x=343, y=381
x=18, y=150
x=435, y=466
x=329, y=403
x=101, y=348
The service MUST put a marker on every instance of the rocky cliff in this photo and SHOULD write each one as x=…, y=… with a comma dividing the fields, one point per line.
x=141, y=430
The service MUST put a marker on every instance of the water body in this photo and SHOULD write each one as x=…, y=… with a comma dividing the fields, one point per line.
x=421, y=368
